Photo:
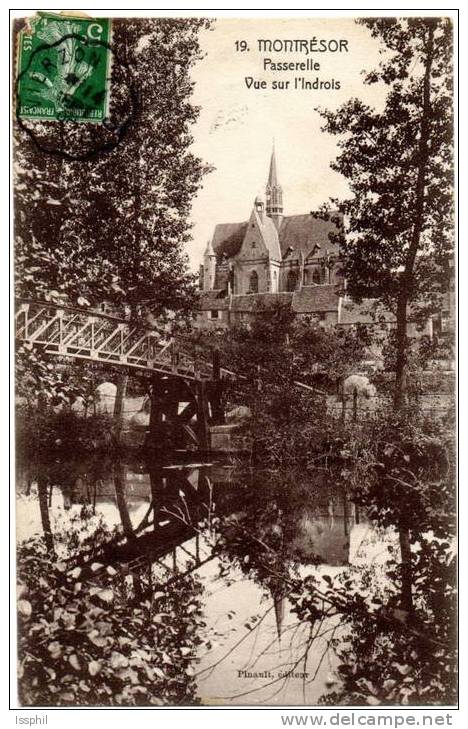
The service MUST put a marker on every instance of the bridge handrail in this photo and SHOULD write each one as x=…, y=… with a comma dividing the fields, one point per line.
x=90, y=312
x=179, y=340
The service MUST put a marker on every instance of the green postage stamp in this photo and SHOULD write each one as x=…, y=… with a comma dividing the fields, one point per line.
x=64, y=69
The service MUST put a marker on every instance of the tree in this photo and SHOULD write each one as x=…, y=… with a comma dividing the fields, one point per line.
x=398, y=233
x=113, y=227
x=399, y=616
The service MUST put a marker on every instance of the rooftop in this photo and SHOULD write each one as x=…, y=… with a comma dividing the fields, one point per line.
x=214, y=299
x=315, y=299
x=300, y=232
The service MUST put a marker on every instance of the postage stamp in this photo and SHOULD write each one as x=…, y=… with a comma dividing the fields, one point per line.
x=64, y=69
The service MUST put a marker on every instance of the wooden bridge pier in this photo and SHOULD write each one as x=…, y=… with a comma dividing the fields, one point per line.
x=183, y=408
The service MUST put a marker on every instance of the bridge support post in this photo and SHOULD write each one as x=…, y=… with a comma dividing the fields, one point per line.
x=166, y=424
x=216, y=391
x=203, y=428
x=215, y=388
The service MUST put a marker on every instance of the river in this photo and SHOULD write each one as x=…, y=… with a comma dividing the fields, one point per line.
x=218, y=520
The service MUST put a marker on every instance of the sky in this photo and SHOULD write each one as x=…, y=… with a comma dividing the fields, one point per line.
x=237, y=125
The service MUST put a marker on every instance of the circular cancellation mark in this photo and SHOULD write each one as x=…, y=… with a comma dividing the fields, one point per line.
x=64, y=105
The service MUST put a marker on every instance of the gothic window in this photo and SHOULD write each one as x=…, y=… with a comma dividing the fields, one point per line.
x=254, y=245
x=253, y=288
x=316, y=276
x=292, y=281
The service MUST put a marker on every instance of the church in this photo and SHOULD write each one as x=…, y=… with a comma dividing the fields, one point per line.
x=275, y=258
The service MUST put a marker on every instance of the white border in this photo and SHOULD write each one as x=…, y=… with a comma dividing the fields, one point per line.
x=209, y=717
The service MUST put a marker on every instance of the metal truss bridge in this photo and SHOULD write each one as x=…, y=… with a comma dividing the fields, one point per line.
x=187, y=380
x=67, y=331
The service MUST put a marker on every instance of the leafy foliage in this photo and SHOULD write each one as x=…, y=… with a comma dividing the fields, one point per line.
x=401, y=470
x=41, y=432
x=289, y=423
x=113, y=227
x=384, y=656
x=398, y=234
x=85, y=640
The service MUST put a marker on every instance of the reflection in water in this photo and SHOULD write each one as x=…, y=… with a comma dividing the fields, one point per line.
x=245, y=535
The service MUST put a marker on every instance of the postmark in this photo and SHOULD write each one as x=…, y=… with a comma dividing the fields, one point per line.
x=75, y=95
x=64, y=69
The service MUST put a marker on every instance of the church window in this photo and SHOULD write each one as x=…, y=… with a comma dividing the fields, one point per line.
x=253, y=282
x=292, y=281
x=316, y=276
x=254, y=245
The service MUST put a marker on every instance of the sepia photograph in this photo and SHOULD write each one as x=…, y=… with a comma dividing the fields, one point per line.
x=235, y=404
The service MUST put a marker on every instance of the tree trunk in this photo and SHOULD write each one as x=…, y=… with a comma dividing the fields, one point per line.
x=406, y=569
x=119, y=485
x=45, y=516
x=407, y=278
x=399, y=393
x=119, y=406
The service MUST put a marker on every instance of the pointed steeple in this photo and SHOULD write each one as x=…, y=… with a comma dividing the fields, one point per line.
x=274, y=192
x=273, y=175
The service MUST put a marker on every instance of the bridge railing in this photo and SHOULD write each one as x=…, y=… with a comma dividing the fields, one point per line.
x=85, y=334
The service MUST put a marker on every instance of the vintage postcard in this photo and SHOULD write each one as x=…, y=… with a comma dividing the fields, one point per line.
x=235, y=293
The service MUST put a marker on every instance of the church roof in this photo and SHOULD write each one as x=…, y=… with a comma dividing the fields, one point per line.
x=257, y=302
x=213, y=299
x=293, y=255
x=300, y=232
x=270, y=238
x=315, y=299
x=228, y=238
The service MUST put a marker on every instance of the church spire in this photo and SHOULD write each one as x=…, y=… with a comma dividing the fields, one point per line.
x=274, y=192
x=273, y=176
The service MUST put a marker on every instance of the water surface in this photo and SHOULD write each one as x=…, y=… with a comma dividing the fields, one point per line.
x=245, y=534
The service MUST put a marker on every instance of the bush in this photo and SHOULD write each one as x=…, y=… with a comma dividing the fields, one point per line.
x=85, y=639
x=41, y=431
